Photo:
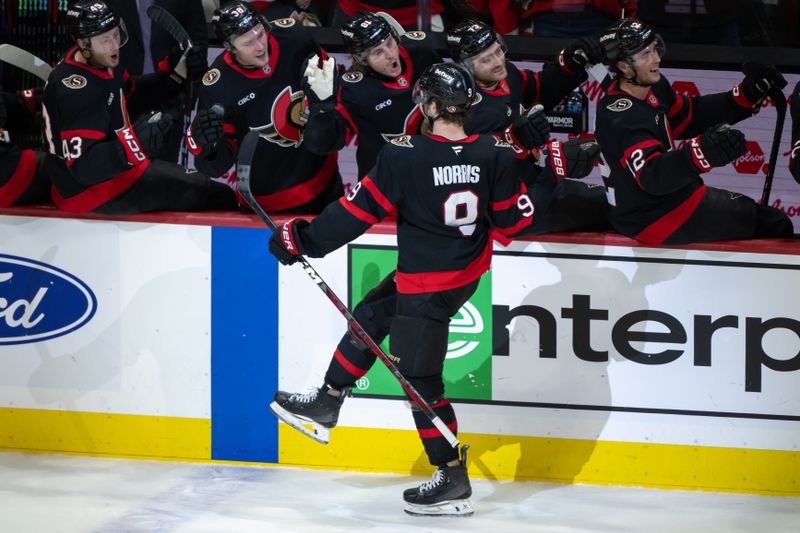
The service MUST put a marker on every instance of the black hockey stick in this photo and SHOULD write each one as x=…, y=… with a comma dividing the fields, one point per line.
x=779, y=100
x=243, y=162
x=175, y=29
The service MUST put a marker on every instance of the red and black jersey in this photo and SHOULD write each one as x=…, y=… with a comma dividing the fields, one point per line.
x=497, y=108
x=448, y=195
x=372, y=107
x=270, y=100
x=652, y=188
x=18, y=163
x=403, y=11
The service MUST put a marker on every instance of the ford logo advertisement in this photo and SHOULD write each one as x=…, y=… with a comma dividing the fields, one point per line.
x=39, y=301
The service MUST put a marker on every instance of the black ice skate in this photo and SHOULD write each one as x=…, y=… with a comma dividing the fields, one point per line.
x=313, y=414
x=446, y=494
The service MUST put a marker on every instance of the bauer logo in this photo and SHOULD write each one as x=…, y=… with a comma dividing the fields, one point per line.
x=468, y=361
x=39, y=301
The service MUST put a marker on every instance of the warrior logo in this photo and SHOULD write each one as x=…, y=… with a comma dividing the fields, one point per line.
x=414, y=124
x=288, y=116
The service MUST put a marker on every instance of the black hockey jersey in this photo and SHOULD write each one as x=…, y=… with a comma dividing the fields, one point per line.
x=86, y=121
x=499, y=107
x=372, y=107
x=270, y=100
x=17, y=162
x=448, y=195
x=652, y=188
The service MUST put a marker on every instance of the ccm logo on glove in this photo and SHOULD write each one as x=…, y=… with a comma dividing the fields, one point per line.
x=699, y=156
x=132, y=147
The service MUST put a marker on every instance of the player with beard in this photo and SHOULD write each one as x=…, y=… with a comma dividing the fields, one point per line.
x=22, y=176
x=100, y=163
x=256, y=84
x=655, y=189
x=450, y=191
x=372, y=100
x=504, y=90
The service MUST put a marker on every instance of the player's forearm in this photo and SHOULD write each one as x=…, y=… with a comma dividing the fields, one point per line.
x=713, y=109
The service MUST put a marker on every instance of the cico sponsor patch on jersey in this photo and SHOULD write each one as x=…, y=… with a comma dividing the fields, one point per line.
x=416, y=35
x=403, y=140
x=211, y=77
x=352, y=76
x=620, y=105
x=75, y=81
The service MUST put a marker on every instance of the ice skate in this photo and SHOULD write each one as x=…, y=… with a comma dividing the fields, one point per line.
x=313, y=414
x=446, y=494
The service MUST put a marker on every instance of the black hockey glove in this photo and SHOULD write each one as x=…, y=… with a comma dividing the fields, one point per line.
x=320, y=79
x=579, y=53
x=207, y=126
x=285, y=242
x=759, y=80
x=716, y=147
x=794, y=109
x=151, y=130
x=572, y=159
x=529, y=131
x=186, y=60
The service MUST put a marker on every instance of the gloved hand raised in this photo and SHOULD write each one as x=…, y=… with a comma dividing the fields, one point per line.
x=185, y=61
x=285, y=242
x=151, y=130
x=716, y=147
x=759, y=80
x=572, y=159
x=579, y=53
x=320, y=79
x=530, y=130
x=207, y=126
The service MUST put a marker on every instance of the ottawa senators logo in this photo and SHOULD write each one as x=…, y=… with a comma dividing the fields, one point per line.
x=620, y=105
x=414, y=124
x=284, y=23
x=74, y=82
x=403, y=140
x=416, y=35
x=211, y=77
x=352, y=76
x=288, y=116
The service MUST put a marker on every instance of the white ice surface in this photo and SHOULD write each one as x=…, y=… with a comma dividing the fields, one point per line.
x=61, y=494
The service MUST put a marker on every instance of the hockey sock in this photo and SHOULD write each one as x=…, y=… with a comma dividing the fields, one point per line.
x=438, y=449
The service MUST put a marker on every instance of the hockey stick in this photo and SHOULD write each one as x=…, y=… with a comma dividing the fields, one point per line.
x=243, y=162
x=25, y=60
x=164, y=19
x=779, y=100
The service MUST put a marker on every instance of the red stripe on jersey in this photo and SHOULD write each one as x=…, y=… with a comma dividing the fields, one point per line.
x=505, y=232
x=629, y=152
x=524, y=75
x=677, y=106
x=353, y=129
x=665, y=226
x=416, y=283
x=510, y=202
x=86, y=134
x=434, y=433
x=677, y=130
x=357, y=212
x=256, y=73
x=303, y=192
x=377, y=194
x=355, y=371
x=105, y=73
x=740, y=99
x=19, y=180
x=96, y=195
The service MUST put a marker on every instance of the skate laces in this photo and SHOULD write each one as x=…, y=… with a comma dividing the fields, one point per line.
x=307, y=397
x=436, y=480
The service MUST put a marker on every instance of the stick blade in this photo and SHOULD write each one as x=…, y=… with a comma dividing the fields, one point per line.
x=23, y=59
x=165, y=20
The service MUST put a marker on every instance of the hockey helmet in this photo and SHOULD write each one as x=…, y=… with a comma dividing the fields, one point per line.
x=449, y=84
x=470, y=38
x=363, y=31
x=88, y=18
x=234, y=19
x=627, y=37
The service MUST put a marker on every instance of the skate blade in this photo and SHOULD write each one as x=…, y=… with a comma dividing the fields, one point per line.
x=306, y=427
x=449, y=508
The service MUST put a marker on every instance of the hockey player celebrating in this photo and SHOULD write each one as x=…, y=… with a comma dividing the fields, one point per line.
x=372, y=100
x=101, y=163
x=256, y=84
x=22, y=176
x=444, y=246
x=655, y=190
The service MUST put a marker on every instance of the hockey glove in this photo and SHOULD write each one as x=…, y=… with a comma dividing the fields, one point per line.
x=579, y=53
x=151, y=130
x=207, y=126
x=320, y=79
x=716, y=147
x=529, y=131
x=185, y=60
x=759, y=80
x=285, y=242
x=572, y=159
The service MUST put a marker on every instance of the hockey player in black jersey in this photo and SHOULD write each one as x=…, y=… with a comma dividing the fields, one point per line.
x=256, y=84
x=372, y=100
x=100, y=162
x=794, y=157
x=504, y=90
x=448, y=189
x=655, y=190
x=22, y=176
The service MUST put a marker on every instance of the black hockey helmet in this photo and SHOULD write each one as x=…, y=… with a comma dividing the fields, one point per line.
x=234, y=19
x=87, y=18
x=469, y=38
x=625, y=38
x=363, y=31
x=449, y=84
